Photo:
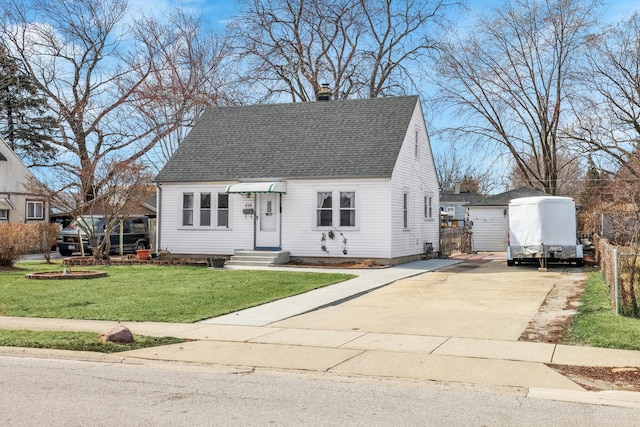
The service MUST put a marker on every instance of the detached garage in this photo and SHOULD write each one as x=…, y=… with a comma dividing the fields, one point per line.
x=490, y=221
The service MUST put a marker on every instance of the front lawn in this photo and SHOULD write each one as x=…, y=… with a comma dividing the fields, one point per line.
x=150, y=293
x=597, y=325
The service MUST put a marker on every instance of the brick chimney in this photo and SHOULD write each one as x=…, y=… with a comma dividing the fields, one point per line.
x=456, y=187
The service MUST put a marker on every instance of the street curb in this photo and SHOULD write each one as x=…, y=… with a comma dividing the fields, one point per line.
x=89, y=356
x=617, y=398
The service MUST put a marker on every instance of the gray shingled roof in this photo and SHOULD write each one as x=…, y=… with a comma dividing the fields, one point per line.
x=502, y=199
x=351, y=138
x=459, y=197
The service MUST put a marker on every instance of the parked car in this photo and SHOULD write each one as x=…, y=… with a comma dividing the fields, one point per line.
x=135, y=235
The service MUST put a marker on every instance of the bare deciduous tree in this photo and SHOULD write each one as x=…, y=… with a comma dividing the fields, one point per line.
x=363, y=48
x=104, y=87
x=191, y=74
x=511, y=76
x=127, y=186
x=570, y=179
x=451, y=168
x=609, y=121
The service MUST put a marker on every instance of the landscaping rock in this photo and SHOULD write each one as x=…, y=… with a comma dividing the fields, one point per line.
x=119, y=334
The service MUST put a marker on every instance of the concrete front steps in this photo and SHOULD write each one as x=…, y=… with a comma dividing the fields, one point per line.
x=258, y=258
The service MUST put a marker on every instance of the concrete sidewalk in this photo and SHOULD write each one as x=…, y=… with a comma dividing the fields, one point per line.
x=389, y=332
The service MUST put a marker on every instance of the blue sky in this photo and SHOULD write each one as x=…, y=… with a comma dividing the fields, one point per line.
x=218, y=11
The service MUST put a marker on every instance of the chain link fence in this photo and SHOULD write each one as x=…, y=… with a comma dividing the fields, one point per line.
x=621, y=270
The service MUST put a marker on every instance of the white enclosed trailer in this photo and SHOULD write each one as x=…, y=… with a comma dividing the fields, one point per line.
x=543, y=228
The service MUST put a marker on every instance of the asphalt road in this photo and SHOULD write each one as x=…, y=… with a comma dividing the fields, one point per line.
x=78, y=393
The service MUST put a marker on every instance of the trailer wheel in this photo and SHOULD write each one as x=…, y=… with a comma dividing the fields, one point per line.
x=510, y=262
x=580, y=262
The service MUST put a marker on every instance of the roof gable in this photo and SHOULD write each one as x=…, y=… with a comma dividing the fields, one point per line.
x=350, y=138
x=14, y=175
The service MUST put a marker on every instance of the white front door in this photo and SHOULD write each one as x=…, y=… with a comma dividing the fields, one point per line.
x=268, y=221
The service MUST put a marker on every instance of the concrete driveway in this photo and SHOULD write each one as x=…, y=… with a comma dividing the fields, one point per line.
x=482, y=298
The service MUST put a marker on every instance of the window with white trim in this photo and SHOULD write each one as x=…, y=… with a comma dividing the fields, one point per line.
x=347, y=209
x=428, y=207
x=35, y=210
x=405, y=210
x=4, y=213
x=341, y=214
x=205, y=210
x=324, y=210
x=187, y=209
x=223, y=210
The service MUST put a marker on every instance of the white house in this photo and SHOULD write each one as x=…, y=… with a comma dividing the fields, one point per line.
x=17, y=203
x=489, y=219
x=330, y=180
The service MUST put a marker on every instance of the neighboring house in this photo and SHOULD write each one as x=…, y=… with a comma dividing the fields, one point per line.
x=489, y=219
x=289, y=177
x=147, y=208
x=453, y=205
x=17, y=203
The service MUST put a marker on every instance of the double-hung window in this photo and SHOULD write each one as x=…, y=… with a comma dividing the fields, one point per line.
x=428, y=207
x=405, y=210
x=223, y=210
x=340, y=214
x=35, y=210
x=205, y=210
x=187, y=209
x=347, y=209
x=325, y=209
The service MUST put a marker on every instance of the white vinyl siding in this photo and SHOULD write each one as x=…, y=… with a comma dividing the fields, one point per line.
x=223, y=240
x=368, y=239
x=417, y=178
x=365, y=215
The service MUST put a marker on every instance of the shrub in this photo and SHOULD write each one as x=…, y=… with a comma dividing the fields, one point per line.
x=46, y=234
x=15, y=241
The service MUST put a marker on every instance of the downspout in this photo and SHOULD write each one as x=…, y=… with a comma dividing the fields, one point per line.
x=158, y=222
